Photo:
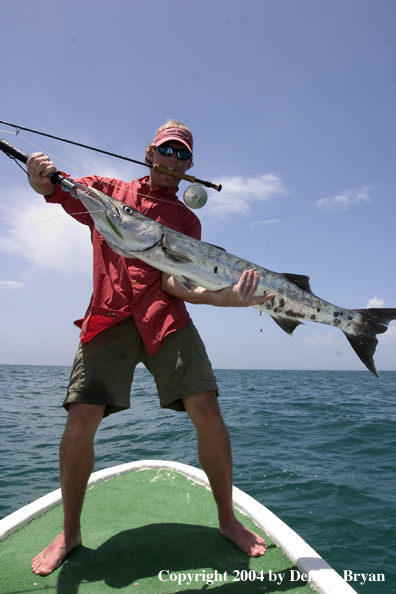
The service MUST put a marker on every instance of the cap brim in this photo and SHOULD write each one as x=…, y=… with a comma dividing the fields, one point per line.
x=165, y=140
x=178, y=134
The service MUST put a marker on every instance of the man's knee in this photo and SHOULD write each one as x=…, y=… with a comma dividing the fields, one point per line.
x=203, y=407
x=84, y=418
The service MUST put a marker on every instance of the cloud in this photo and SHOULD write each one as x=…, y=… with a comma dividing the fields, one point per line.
x=268, y=222
x=239, y=193
x=48, y=239
x=388, y=336
x=43, y=234
x=323, y=339
x=375, y=302
x=11, y=285
x=345, y=200
x=6, y=284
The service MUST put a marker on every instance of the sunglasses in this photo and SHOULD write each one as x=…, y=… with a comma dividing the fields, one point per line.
x=167, y=151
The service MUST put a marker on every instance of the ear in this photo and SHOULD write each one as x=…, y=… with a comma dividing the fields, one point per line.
x=150, y=153
x=191, y=164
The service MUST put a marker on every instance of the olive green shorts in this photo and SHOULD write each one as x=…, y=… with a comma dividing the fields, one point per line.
x=104, y=366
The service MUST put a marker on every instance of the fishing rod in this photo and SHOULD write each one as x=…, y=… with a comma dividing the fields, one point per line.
x=194, y=196
x=190, y=178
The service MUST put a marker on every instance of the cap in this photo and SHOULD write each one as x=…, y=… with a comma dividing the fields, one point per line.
x=175, y=133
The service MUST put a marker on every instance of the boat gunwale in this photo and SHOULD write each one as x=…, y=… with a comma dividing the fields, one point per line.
x=322, y=577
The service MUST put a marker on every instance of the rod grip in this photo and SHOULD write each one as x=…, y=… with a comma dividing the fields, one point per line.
x=173, y=173
x=12, y=151
x=186, y=177
x=56, y=178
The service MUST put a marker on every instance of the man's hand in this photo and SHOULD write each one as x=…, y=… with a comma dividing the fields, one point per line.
x=40, y=168
x=239, y=295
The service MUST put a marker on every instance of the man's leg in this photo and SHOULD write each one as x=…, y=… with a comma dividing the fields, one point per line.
x=77, y=461
x=214, y=453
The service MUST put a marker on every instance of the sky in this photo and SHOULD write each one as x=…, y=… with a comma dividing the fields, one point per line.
x=292, y=107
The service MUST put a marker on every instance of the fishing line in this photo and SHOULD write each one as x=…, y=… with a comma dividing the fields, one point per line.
x=57, y=217
x=19, y=165
x=191, y=178
x=48, y=220
x=193, y=196
x=43, y=151
x=65, y=214
x=91, y=148
x=25, y=171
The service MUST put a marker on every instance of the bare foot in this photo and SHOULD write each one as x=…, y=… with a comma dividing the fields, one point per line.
x=245, y=539
x=52, y=557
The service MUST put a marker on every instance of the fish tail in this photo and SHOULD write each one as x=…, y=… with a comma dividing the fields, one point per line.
x=373, y=321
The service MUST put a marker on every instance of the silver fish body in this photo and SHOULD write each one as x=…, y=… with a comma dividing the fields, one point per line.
x=192, y=262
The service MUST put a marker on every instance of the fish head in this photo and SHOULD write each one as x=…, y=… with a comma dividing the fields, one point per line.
x=125, y=229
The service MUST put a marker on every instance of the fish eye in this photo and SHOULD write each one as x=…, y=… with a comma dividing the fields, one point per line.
x=128, y=210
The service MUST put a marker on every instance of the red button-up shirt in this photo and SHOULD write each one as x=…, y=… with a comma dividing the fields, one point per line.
x=127, y=286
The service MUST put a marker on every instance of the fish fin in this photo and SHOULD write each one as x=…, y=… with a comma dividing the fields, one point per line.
x=364, y=347
x=186, y=282
x=374, y=321
x=175, y=256
x=215, y=246
x=378, y=318
x=287, y=324
x=300, y=280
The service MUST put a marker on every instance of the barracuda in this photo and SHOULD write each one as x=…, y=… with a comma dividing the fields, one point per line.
x=192, y=262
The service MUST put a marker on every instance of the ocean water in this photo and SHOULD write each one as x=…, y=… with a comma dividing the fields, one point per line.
x=318, y=448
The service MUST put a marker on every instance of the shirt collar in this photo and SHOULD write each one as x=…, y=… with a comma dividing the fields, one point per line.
x=170, y=193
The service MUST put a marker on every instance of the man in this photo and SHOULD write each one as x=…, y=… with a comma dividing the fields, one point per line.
x=137, y=313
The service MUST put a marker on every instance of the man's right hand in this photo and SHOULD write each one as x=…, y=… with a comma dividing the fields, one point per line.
x=40, y=168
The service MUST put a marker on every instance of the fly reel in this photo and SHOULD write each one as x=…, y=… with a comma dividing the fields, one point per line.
x=195, y=196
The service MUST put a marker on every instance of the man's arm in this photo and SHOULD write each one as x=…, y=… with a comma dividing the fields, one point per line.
x=239, y=295
x=40, y=168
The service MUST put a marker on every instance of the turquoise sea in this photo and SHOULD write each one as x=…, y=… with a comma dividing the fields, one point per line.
x=318, y=448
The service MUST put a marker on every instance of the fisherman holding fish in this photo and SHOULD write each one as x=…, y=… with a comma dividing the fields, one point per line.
x=137, y=314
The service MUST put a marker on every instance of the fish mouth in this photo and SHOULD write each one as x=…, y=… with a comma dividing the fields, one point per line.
x=108, y=204
x=111, y=215
x=101, y=198
x=108, y=207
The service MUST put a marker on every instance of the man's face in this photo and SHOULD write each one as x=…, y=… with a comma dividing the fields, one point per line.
x=161, y=180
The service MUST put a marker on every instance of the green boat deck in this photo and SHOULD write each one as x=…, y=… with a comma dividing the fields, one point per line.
x=136, y=526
